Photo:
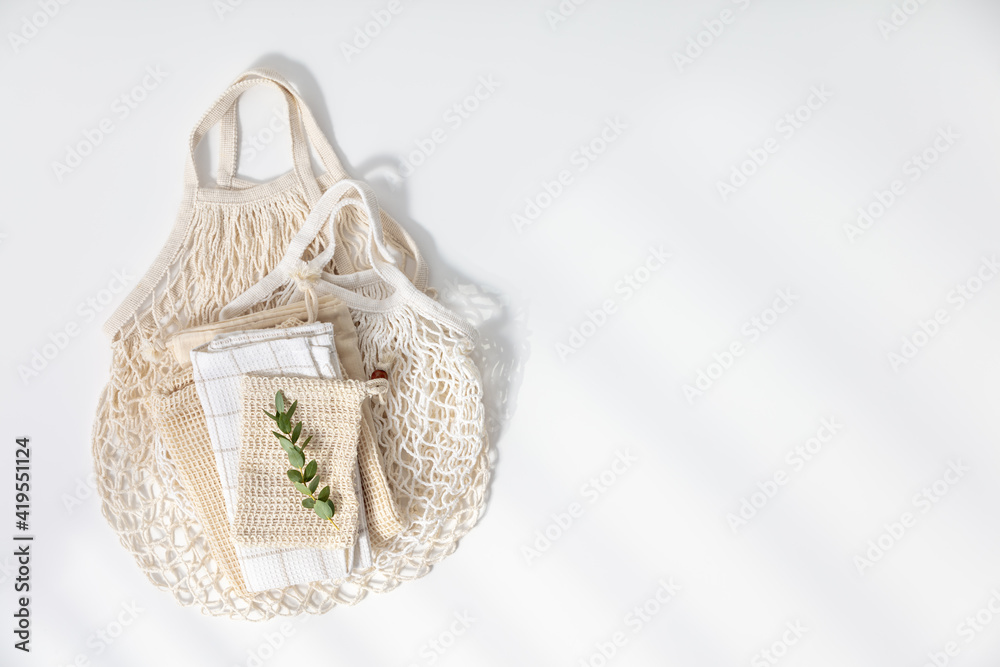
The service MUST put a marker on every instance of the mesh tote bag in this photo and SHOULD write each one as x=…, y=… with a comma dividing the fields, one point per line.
x=225, y=238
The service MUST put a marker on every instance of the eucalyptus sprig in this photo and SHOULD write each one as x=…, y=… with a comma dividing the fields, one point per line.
x=303, y=475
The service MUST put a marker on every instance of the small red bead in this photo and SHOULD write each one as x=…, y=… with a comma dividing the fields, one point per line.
x=380, y=374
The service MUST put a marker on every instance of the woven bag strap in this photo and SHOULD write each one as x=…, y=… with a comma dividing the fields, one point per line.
x=292, y=264
x=300, y=148
x=310, y=279
x=229, y=153
x=160, y=268
x=229, y=127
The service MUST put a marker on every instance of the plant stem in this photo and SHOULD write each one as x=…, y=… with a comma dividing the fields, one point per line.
x=315, y=499
x=288, y=434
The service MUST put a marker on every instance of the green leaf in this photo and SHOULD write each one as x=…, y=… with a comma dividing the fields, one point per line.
x=296, y=457
x=294, y=475
x=296, y=432
x=285, y=443
x=291, y=409
x=301, y=487
x=324, y=510
x=310, y=471
x=308, y=503
x=313, y=484
x=279, y=401
x=285, y=424
x=273, y=417
x=324, y=494
x=306, y=442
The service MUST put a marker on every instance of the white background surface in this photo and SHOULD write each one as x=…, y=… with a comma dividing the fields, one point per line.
x=665, y=517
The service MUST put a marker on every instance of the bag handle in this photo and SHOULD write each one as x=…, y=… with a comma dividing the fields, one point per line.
x=292, y=266
x=400, y=238
x=300, y=149
x=309, y=277
x=229, y=126
x=230, y=132
x=178, y=236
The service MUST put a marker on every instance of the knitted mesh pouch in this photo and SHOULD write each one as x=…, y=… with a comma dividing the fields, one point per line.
x=180, y=420
x=269, y=511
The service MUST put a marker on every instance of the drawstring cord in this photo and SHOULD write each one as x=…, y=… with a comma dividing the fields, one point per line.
x=305, y=278
x=378, y=387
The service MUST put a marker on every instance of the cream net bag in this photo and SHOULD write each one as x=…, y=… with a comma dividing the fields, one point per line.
x=430, y=433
